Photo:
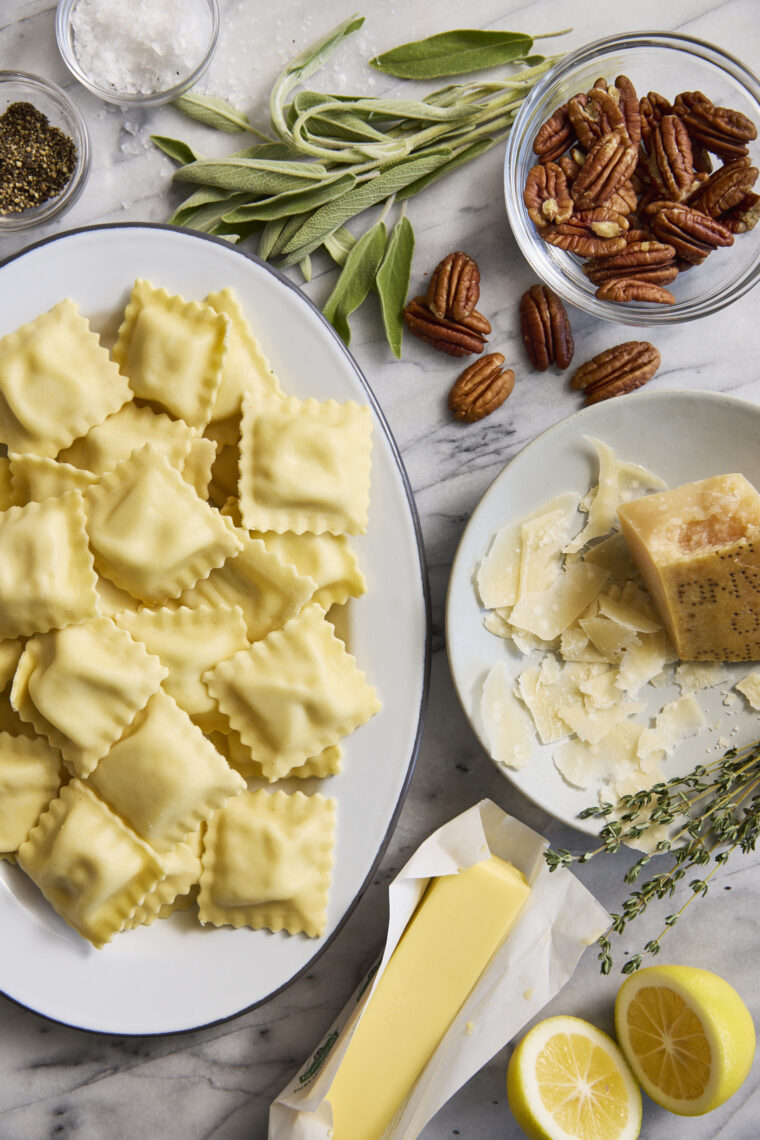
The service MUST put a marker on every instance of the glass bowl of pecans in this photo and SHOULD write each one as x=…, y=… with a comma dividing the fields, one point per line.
x=631, y=162
x=44, y=151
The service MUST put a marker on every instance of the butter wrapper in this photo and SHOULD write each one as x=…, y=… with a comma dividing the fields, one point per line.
x=559, y=920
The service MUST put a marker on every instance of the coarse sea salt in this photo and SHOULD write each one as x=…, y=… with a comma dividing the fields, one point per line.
x=142, y=47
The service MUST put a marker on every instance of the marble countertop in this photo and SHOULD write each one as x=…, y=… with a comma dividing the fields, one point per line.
x=218, y=1082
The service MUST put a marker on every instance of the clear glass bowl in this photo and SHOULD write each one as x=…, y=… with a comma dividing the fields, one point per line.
x=65, y=37
x=53, y=102
x=653, y=61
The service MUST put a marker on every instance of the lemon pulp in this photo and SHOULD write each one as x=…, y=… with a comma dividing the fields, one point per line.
x=687, y=1034
x=569, y=1081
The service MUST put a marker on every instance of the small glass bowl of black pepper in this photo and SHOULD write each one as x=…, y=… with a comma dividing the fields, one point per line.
x=44, y=151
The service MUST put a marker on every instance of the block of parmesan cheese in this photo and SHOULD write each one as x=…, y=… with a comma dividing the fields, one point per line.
x=698, y=550
x=457, y=927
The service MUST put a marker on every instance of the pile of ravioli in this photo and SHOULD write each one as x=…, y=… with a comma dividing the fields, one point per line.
x=173, y=531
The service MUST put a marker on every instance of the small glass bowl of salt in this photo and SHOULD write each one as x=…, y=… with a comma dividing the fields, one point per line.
x=140, y=53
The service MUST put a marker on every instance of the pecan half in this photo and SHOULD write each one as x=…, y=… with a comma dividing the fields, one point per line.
x=481, y=388
x=452, y=337
x=610, y=162
x=725, y=188
x=583, y=114
x=628, y=101
x=692, y=234
x=652, y=108
x=646, y=261
x=634, y=289
x=603, y=221
x=547, y=195
x=617, y=370
x=454, y=287
x=673, y=164
x=744, y=216
x=718, y=129
x=554, y=136
x=545, y=328
x=608, y=110
x=575, y=237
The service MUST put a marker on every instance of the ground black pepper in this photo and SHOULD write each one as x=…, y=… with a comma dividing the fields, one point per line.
x=37, y=160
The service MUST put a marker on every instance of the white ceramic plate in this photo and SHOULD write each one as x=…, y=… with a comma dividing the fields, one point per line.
x=681, y=436
x=177, y=975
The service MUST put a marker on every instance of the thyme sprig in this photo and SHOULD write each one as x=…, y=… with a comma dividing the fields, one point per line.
x=329, y=158
x=703, y=817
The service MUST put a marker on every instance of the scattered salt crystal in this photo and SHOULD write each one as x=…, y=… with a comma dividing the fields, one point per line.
x=142, y=47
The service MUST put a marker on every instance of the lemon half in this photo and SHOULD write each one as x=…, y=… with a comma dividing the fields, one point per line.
x=569, y=1081
x=687, y=1034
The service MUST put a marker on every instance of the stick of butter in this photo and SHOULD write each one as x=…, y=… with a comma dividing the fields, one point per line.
x=698, y=549
x=457, y=927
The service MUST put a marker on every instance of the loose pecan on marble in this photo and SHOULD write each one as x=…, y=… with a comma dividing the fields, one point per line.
x=481, y=388
x=545, y=328
x=454, y=288
x=455, y=338
x=691, y=233
x=547, y=195
x=617, y=370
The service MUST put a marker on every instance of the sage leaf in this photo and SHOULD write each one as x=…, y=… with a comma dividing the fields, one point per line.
x=305, y=267
x=269, y=236
x=180, y=151
x=339, y=244
x=333, y=214
x=200, y=198
x=207, y=218
x=305, y=65
x=312, y=58
x=289, y=227
x=254, y=175
x=214, y=112
x=392, y=281
x=465, y=155
x=453, y=53
x=295, y=202
x=356, y=279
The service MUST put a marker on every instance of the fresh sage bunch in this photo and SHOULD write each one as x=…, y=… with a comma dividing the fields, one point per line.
x=330, y=158
x=696, y=821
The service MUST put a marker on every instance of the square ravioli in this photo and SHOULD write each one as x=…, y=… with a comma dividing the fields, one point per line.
x=304, y=465
x=48, y=578
x=56, y=382
x=293, y=694
x=182, y=865
x=245, y=367
x=128, y=429
x=172, y=350
x=327, y=558
x=90, y=867
x=267, y=861
x=164, y=778
x=35, y=477
x=82, y=686
x=188, y=642
x=30, y=776
x=266, y=590
x=150, y=532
